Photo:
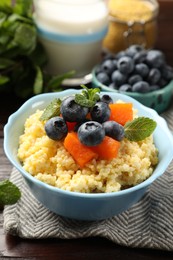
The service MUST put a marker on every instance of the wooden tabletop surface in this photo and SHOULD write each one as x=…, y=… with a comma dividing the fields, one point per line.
x=87, y=248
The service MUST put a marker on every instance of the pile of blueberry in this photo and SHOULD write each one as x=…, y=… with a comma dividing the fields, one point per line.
x=90, y=131
x=135, y=70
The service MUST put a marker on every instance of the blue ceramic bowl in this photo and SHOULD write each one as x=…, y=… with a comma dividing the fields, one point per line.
x=79, y=205
x=159, y=100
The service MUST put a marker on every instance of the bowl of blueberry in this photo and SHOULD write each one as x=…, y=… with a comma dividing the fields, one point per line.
x=139, y=73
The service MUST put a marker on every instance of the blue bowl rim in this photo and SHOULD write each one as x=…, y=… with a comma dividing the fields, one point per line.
x=103, y=87
x=67, y=92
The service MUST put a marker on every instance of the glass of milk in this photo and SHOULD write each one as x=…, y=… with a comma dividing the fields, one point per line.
x=71, y=32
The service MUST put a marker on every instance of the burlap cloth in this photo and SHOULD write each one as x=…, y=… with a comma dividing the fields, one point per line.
x=148, y=224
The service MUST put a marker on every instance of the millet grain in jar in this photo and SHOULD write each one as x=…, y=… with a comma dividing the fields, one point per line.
x=131, y=22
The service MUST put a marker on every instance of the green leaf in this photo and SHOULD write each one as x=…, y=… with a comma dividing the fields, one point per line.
x=88, y=97
x=23, y=7
x=5, y=6
x=83, y=101
x=38, y=56
x=56, y=81
x=3, y=17
x=139, y=129
x=53, y=109
x=4, y=39
x=9, y=193
x=38, y=83
x=16, y=17
x=23, y=78
x=5, y=63
x=25, y=37
x=3, y=80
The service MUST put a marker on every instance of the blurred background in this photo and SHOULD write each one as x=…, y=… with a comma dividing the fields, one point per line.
x=23, y=59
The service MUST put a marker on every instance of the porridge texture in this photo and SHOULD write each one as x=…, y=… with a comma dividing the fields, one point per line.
x=49, y=161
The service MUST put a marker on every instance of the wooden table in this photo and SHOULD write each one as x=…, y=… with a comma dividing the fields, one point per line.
x=88, y=248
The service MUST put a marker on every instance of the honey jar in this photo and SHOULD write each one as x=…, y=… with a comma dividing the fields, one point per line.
x=131, y=22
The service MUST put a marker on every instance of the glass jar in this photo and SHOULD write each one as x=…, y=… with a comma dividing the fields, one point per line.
x=71, y=32
x=131, y=22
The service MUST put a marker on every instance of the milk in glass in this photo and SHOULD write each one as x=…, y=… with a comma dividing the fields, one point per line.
x=71, y=32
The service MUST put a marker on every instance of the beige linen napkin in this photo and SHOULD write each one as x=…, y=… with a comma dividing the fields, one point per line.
x=148, y=224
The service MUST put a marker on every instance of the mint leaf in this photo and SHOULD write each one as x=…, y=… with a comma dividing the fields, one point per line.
x=38, y=83
x=9, y=193
x=3, y=80
x=5, y=5
x=88, y=96
x=25, y=37
x=55, y=82
x=24, y=8
x=139, y=129
x=53, y=109
x=83, y=101
x=5, y=63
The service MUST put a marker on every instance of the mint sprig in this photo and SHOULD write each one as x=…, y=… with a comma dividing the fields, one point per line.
x=88, y=97
x=9, y=193
x=53, y=109
x=22, y=56
x=139, y=129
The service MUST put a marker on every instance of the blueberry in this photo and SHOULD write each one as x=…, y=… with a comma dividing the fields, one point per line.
x=71, y=111
x=108, y=66
x=115, y=63
x=140, y=56
x=120, y=55
x=141, y=86
x=162, y=83
x=113, y=86
x=167, y=72
x=91, y=133
x=154, y=76
x=125, y=65
x=142, y=69
x=133, y=49
x=100, y=112
x=125, y=87
x=114, y=130
x=107, y=99
x=155, y=58
x=108, y=56
x=154, y=87
x=98, y=69
x=118, y=78
x=76, y=127
x=134, y=79
x=56, y=128
x=103, y=78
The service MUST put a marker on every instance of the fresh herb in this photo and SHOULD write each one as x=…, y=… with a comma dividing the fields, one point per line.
x=53, y=109
x=139, y=129
x=135, y=130
x=9, y=193
x=88, y=96
x=54, y=83
x=22, y=57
